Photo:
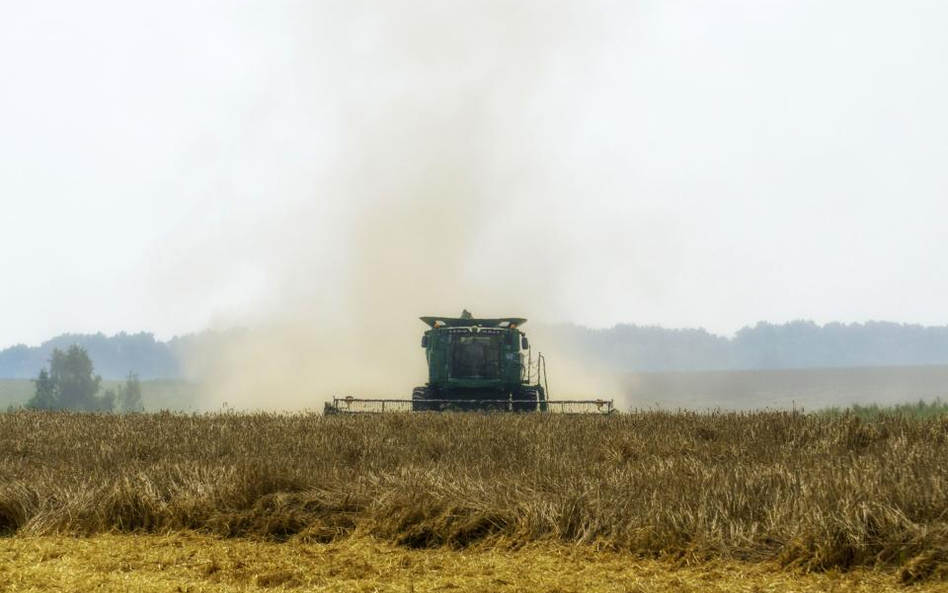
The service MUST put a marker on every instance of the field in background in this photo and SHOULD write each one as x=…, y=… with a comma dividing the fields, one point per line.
x=191, y=562
x=156, y=395
x=14, y=392
x=807, y=492
x=806, y=389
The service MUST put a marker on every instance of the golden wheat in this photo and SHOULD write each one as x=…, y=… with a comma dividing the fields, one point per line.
x=803, y=490
x=199, y=563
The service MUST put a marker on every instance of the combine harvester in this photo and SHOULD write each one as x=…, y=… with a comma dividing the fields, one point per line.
x=476, y=365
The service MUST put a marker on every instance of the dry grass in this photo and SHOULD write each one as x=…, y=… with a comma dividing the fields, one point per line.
x=190, y=563
x=808, y=492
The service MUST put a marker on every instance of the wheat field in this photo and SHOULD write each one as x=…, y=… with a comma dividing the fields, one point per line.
x=189, y=562
x=807, y=492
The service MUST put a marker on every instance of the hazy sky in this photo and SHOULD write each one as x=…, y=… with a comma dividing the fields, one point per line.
x=168, y=166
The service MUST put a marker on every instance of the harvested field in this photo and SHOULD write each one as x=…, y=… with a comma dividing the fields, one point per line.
x=810, y=493
x=786, y=389
x=190, y=562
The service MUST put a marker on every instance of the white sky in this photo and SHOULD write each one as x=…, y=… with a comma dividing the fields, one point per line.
x=685, y=162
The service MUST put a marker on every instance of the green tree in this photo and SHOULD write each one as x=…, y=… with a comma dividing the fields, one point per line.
x=130, y=395
x=44, y=397
x=70, y=384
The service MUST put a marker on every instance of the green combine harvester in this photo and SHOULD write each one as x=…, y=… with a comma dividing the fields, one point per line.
x=476, y=365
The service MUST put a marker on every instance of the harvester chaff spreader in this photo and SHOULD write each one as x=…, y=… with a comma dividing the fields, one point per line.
x=476, y=365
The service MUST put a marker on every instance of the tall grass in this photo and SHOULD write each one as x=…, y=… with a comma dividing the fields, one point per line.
x=806, y=490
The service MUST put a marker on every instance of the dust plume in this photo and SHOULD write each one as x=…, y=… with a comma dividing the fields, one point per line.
x=431, y=199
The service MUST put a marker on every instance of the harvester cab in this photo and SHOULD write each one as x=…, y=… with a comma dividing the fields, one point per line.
x=476, y=364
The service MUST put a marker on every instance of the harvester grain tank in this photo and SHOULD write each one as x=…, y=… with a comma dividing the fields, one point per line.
x=476, y=364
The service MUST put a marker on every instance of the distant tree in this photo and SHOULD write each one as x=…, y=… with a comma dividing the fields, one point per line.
x=130, y=395
x=70, y=384
x=105, y=402
x=110, y=396
x=76, y=384
x=44, y=397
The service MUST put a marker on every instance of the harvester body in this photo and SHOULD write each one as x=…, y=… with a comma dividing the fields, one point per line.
x=476, y=364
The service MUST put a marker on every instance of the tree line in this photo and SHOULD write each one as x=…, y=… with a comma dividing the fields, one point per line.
x=623, y=348
x=797, y=344
x=114, y=355
x=70, y=383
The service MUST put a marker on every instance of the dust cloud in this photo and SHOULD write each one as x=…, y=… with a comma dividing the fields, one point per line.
x=435, y=196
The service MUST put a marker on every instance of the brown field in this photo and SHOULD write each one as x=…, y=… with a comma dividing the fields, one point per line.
x=729, y=492
x=807, y=389
x=192, y=562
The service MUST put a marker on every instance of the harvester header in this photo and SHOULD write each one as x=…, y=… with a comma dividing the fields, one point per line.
x=476, y=364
